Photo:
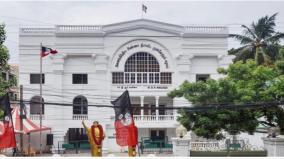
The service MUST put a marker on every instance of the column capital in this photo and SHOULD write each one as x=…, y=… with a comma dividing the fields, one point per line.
x=157, y=97
x=142, y=97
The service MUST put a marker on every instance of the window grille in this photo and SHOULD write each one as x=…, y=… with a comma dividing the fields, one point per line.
x=143, y=68
x=80, y=105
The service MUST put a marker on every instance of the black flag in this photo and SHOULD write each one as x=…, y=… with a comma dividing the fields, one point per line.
x=126, y=131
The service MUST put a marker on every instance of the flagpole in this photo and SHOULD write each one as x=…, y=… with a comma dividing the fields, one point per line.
x=40, y=94
x=21, y=120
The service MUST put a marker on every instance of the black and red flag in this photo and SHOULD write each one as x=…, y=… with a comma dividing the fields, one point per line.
x=46, y=50
x=7, y=134
x=126, y=131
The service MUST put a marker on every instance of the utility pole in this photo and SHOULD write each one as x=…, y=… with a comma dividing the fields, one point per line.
x=21, y=119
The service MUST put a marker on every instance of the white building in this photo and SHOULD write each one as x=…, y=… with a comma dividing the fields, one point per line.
x=96, y=63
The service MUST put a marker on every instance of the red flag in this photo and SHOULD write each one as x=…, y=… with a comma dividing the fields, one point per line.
x=7, y=134
x=45, y=51
x=126, y=131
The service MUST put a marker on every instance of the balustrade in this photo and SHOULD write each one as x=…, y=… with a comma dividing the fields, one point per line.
x=37, y=30
x=80, y=117
x=205, y=146
x=149, y=118
x=205, y=29
x=36, y=117
x=79, y=28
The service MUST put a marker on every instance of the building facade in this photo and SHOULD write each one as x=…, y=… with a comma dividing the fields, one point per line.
x=96, y=63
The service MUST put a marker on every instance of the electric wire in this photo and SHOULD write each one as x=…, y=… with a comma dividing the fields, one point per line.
x=206, y=107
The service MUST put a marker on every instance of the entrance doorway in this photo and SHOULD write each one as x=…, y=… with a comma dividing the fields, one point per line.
x=77, y=134
x=158, y=137
x=161, y=110
x=136, y=109
x=158, y=134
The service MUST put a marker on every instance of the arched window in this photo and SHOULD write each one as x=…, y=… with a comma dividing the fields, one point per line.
x=141, y=68
x=141, y=62
x=35, y=105
x=80, y=105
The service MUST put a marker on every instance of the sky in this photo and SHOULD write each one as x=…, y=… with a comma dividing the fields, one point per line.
x=49, y=13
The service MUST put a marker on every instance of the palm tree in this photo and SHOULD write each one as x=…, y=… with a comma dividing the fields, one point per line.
x=260, y=41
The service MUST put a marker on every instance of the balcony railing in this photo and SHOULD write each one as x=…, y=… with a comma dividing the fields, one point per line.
x=149, y=118
x=153, y=117
x=80, y=116
x=78, y=28
x=37, y=30
x=36, y=117
x=206, y=29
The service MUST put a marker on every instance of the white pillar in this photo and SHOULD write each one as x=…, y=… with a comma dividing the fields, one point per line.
x=181, y=147
x=175, y=112
x=157, y=105
x=274, y=146
x=60, y=129
x=142, y=105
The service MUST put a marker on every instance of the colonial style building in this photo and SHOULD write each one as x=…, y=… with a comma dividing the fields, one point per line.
x=96, y=63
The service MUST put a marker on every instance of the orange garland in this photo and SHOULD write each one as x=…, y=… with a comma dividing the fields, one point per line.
x=97, y=142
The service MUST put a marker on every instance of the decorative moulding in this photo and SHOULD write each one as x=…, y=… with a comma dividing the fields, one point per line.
x=103, y=30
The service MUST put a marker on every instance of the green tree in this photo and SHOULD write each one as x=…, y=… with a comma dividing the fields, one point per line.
x=280, y=62
x=245, y=82
x=1, y=114
x=4, y=57
x=4, y=67
x=260, y=41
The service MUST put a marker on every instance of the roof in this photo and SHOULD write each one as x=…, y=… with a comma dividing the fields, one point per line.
x=28, y=125
x=103, y=30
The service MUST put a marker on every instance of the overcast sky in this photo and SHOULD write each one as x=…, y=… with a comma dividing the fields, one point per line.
x=43, y=13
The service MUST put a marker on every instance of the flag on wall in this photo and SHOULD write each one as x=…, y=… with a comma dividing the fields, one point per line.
x=126, y=131
x=144, y=8
x=46, y=50
x=7, y=134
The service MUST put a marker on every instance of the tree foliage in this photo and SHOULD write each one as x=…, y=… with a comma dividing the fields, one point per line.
x=257, y=76
x=4, y=57
x=259, y=41
x=4, y=67
x=1, y=114
x=245, y=82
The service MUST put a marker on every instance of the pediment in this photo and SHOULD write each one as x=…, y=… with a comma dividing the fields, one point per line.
x=142, y=27
x=141, y=31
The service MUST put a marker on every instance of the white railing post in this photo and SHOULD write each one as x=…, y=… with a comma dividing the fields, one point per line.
x=157, y=106
x=142, y=105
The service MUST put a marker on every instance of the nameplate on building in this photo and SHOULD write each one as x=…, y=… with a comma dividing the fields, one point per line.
x=142, y=45
x=141, y=87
